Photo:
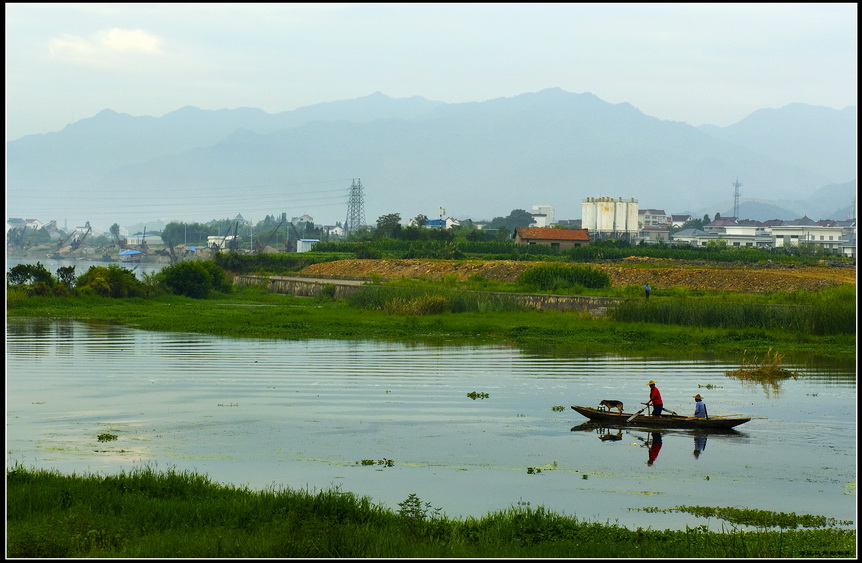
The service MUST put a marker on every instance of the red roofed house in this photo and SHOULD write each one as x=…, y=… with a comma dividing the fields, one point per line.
x=555, y=238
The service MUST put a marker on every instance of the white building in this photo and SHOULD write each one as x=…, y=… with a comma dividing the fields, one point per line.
x=543, y=215
x=221, y=242
x=305, y=244
x=829, y=238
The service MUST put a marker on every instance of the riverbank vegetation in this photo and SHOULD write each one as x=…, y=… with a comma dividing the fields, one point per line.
x=170, y=514
x=199, y=297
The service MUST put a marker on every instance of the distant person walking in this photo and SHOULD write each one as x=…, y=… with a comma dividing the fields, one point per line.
x=646, y=291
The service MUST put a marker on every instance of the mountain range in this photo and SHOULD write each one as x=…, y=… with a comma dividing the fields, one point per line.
x=414, y=156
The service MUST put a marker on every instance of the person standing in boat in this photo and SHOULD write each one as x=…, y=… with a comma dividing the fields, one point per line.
x=654, y=399
x=699, y=407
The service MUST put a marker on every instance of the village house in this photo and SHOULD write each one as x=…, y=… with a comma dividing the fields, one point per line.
x=677, y=221
x=562, y=239
x=653, y=218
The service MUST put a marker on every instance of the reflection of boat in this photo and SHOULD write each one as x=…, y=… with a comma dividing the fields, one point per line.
x=609, y=418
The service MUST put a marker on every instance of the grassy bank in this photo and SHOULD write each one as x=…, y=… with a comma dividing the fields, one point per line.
x=258, y=314
x=146, y=514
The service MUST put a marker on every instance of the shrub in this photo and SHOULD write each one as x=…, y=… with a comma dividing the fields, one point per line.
x=191, y=279
x=221, y=282
x=112, y=281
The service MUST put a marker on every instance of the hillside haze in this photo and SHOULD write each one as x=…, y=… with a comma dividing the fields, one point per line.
x=413, y=156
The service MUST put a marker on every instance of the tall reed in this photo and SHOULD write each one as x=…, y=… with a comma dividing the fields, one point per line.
x=424, y=301
x=820, y=319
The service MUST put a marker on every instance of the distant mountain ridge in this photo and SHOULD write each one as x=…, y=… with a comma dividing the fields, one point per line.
x=477, y=159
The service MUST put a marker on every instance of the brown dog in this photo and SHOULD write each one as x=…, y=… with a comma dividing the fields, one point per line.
x=612, y=405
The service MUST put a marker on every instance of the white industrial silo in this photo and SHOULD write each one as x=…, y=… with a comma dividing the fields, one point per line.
x=606, y=217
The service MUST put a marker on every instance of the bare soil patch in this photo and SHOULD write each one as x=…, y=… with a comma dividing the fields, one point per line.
x=635, y=271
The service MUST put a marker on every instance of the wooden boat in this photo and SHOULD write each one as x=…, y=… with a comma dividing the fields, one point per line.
x=614, y=418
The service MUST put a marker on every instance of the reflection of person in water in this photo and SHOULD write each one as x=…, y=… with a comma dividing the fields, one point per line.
x=654, y=448
x=699, y=444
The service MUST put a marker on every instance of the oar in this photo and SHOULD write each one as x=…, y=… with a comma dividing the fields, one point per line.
x=632, y=417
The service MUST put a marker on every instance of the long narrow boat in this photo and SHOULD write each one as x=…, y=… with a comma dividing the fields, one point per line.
x=663, y=421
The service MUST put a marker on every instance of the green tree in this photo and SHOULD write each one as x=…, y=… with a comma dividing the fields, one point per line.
x=66, y=275
x=518, y=218
x=29, y=274
x=389, y=225
x=174, y=233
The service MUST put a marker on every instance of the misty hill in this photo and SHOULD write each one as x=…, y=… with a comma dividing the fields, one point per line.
x=477, y=159
x=823, y=139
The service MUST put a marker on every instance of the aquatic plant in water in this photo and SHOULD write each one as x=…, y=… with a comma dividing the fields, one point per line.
x=767, y=370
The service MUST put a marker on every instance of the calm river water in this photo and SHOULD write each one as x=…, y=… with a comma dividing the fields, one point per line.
x=386, y=420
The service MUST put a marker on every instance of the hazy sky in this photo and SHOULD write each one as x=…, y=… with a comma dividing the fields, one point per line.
x=698, y=63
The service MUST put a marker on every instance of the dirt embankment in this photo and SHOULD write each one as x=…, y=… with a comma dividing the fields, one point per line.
x=635, y=271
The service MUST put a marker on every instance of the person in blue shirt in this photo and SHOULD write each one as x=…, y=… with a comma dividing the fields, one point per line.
x=699, y=407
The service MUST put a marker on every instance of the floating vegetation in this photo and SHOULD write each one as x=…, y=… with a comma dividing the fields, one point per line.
x=757, y=518
x=708, y=386
x=474, y=395
x=380, y=462
x=228, y=404
x=533, y=470
x=766, y=370
x=558, y=408
x=105, y=437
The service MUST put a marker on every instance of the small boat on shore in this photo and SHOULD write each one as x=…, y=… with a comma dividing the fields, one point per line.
x=664, y=421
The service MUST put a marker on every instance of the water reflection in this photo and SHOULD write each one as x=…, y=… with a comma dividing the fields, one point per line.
x=653, y=439
x=699, y=445
x=654, y=444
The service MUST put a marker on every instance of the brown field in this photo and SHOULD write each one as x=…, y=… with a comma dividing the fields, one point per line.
x=634, y=271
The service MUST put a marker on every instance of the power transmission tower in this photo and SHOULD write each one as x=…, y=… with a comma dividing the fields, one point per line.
x=355, y=208
x=736, y=186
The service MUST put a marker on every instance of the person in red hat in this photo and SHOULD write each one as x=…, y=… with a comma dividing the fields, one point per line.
x=654, y=399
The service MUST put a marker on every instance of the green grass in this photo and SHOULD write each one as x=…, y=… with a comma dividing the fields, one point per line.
x=149, y=514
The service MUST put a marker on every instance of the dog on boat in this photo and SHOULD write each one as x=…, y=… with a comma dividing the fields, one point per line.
x=612, y=405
